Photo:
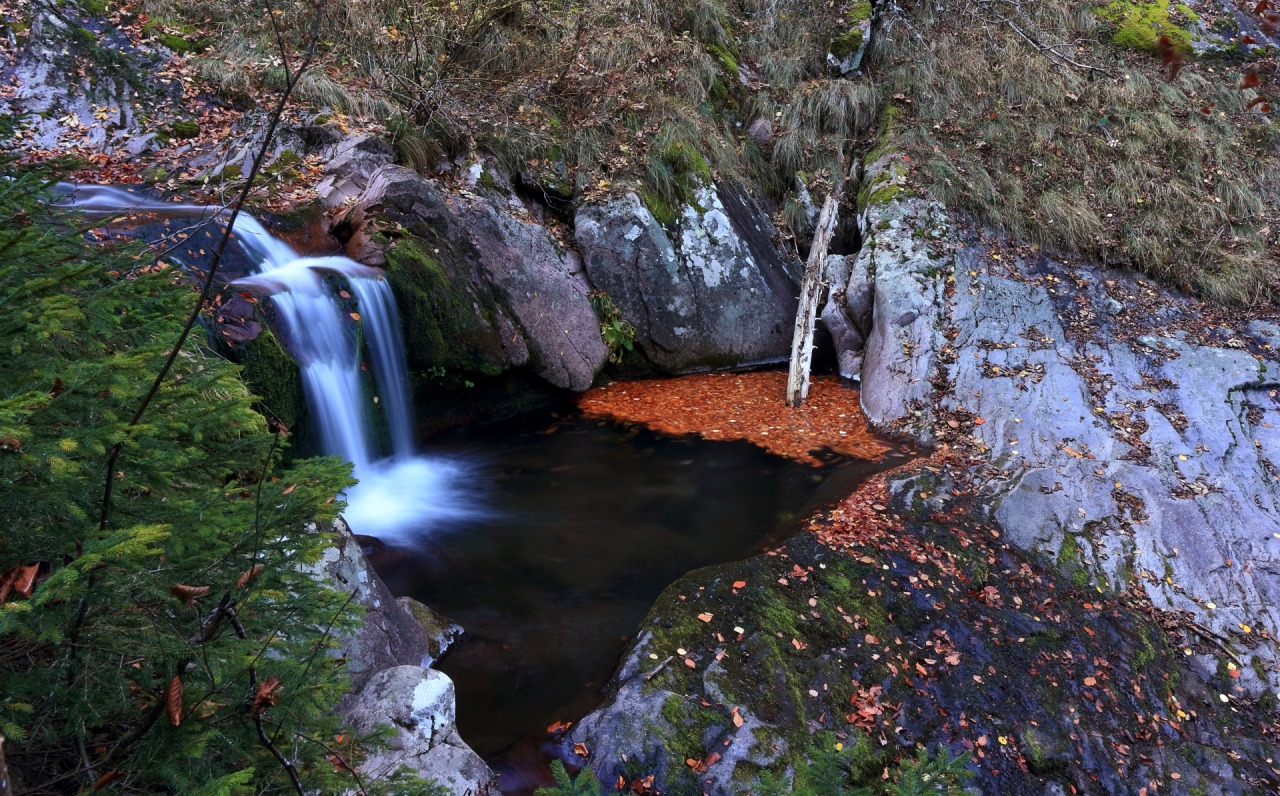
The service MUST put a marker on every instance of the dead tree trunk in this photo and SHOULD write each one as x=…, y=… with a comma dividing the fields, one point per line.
x=810, y=295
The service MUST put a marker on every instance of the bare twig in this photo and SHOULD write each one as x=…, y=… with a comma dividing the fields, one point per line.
x=659, y=668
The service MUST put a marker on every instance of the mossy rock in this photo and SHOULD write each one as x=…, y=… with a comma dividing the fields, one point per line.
x=184, y=129
x=447, y=322
x=799, y=640
x=847, y=43
x=1139, y=25
x=274, y=376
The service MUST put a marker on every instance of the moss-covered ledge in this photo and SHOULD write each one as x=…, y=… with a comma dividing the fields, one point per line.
x=899, y=619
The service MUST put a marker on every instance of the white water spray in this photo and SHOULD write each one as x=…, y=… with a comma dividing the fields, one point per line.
x=398, y=497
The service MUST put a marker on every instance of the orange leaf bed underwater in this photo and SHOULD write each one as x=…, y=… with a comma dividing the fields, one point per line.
x=749, y=406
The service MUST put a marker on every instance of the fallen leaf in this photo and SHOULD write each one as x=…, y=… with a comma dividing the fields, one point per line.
x=248, y=576
x=739, y=584
x=737, y=718
x=288, y=490
x=705, y=617
x=690, y=663
x=580, y=749
x=798, y=644
x=1090, y=681
x=266, y=696
x=355, y=316
x=188, y=594
x=173, y=701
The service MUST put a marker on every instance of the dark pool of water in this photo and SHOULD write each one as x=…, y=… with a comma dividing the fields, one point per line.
x=587, y=523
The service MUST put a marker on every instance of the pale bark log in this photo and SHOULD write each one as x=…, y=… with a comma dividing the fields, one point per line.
x=810, y=296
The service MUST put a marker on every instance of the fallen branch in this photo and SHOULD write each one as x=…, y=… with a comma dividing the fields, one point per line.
x=661, y=666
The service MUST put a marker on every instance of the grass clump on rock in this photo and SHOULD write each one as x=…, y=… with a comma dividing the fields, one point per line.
x=1114, y=156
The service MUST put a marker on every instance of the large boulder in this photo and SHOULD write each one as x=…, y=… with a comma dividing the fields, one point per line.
x=711, y=292
x=1134, y=442
x=481, y=285
x=390, y=684
x=418, y=704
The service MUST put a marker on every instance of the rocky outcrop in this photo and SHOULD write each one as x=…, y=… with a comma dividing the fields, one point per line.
x=847, y=313
x=712, y=293
x=393, y=633
x=418, y=704
x=391, y=685
x=66, y=104
x=887, y=626
x=1132, y=431
x=481, y=285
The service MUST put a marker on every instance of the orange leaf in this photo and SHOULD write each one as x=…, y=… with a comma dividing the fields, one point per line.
x=1250, y=80
x=355, y=316
x=580, y=749
x=737, y=718
x=188, y=594
x=1090, y=681
x=288, y=490
x=173, y=701
x=739, y=584
x=248, y=576
x=977, y=421
x=266, y=696
x=798, y=644
x=705, y=617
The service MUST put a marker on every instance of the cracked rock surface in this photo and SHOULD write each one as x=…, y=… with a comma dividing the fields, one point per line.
x=1134, y=438
x=711, y=293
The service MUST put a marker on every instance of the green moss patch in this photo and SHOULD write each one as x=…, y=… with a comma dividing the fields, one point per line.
x=1140, y=25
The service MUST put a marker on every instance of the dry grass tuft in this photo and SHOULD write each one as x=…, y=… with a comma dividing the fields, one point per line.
x=1120, y=165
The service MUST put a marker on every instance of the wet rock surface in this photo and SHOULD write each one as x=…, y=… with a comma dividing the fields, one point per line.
x=1079, y=587
x=1132, y=428
x=391, y=685
x=480, y=283
x=902, y=618
x=711, y=292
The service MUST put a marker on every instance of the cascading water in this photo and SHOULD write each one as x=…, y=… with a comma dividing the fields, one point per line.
x=398, y=497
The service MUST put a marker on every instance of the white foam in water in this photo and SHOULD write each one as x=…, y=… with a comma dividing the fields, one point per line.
x=401, y=498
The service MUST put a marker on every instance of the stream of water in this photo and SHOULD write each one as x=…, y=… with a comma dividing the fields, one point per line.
x=398, y=497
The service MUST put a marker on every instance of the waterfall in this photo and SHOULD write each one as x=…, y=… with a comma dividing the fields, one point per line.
x=398, y=497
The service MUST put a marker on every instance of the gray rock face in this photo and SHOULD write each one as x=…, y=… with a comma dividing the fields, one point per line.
x=390, y=684
x=1130, y=443
x=350, y=162
x=419, y=704
x=395, y=632
x=62, y=107
x=712, y=294
x=847, y=313
x=908, y=301
x=510, y=291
